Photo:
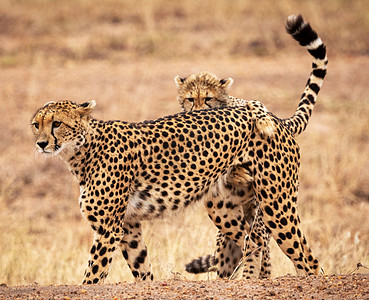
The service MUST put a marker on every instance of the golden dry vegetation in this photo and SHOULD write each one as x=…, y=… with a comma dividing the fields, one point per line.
x=125, y=54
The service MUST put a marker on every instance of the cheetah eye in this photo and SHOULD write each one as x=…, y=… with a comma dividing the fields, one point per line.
x=56, y=124
x=35, y=125
x=191, y=99
x=208, y=99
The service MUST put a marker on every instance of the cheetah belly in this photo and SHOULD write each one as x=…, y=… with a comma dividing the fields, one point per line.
x=145, y=204
x=148, y=201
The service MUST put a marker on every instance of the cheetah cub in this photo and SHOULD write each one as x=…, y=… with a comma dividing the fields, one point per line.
x=205, y=90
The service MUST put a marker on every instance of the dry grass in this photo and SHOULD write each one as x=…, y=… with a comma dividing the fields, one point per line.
x=125, y=55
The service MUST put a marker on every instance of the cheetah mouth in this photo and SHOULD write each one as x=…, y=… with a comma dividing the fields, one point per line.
x=50, y=152
x=45, y=152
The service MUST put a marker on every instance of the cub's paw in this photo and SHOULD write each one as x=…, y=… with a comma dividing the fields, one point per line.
x=265, y=126
x=262, y=120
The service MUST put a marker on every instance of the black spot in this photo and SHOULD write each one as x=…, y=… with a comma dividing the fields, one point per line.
x=293, y=230
x=135, y=274
x=229, y=205
x=264, y=194
x=95, y=269
x=268, y=210
x=104, y=262
x=133, y=244
x=272, y=224
x=282, y=236
x=141, y=258
x=290, y=251
x=102, y=251
x=92, y=218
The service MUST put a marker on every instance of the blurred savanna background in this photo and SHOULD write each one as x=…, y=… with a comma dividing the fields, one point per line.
x=125, y=54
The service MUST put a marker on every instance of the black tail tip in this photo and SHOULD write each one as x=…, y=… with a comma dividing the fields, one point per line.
x=294, y=23
x=191, y=269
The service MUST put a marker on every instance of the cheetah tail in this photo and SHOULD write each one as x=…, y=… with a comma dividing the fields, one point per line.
x=307, y=37
x=202, y=264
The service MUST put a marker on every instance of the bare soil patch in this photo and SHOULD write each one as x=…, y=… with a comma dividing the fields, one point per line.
x=291, y=287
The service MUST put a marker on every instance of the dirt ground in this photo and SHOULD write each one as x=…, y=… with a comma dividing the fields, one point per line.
x=285, y=287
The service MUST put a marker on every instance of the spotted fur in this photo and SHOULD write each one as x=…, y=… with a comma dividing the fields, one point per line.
x=205, y=90
x=129, y=172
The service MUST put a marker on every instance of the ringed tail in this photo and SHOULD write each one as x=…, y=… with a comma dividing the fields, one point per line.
x=307, y=37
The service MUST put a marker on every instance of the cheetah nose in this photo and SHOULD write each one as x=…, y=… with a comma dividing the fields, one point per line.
x=42, y=145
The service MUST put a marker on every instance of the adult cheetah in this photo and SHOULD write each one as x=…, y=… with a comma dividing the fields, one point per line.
x=205, y=90
x=128, y=172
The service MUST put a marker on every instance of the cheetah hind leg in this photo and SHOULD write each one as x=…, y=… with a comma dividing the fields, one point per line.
x=260, y=235
x=227, y=256
x=262, y=119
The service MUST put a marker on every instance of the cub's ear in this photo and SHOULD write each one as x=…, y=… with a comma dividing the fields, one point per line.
x=48, y=103
x=86, y=108
x=179, y=80
x=226, y=82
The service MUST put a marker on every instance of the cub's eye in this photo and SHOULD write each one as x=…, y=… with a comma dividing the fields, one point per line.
x=56, y=124
x=208, y=99
x=35, y=125
x=191, y=99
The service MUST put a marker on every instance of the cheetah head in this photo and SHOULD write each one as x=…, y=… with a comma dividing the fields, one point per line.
x=203, y=90
x=60, y=127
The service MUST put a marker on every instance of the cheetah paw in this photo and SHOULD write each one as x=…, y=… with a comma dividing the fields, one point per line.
x=265, y=126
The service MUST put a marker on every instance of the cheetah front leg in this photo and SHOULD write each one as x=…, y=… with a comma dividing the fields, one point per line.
x=101, y=255
x=134, y=251
x=260, y=233
x=227, y=256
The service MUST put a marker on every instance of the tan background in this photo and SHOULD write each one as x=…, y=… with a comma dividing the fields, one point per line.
x=125, y=54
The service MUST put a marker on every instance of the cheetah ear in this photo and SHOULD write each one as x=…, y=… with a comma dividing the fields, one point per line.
x=48, y=103
x=179, y=80
x=86, y=108
x=226, y=82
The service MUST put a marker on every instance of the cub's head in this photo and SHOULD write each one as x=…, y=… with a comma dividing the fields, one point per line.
x=61, y=126
x=203, y=90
